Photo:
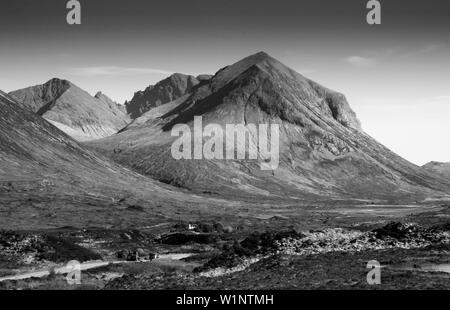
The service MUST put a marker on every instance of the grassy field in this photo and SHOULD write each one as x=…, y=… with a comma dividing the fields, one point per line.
x=296, y=248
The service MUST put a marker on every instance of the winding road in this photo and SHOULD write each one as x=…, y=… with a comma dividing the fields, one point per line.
x=87, y=266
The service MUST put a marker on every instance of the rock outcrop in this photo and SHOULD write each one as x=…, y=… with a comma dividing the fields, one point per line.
x=117, y=108
x=167, y=90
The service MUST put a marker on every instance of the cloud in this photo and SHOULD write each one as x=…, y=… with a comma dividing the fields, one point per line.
x=114, y=71
x=423, y=50
x=391, y=53
x=359, y=61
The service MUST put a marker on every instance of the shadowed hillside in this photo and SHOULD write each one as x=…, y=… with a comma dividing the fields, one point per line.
x=47, y=179
x=163, y=92
x=323, y=150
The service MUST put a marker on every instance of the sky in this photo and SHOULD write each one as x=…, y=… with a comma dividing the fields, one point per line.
x=396, y=76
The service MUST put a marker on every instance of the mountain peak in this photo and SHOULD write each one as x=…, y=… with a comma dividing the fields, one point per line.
x=437, y=163
x=171, y=88
x=439, y=168
x=72, y=109
x=104, y=98
x=41, y=96
x=260, y=59
x=301, y=90
x=58, y=84
x=257, y=58
x=262, y=53
x=101, y=96
x=322, y=148
x=57, y=80
x=178, y=75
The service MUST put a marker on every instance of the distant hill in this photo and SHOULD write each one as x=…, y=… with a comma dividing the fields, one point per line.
x=163, y=92
x=323, y=150
x=49, y=180
x=439, y=168
x=117, y=108
x=73, y=110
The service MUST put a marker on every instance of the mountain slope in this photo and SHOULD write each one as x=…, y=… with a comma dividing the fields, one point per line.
x=323, y=150
x=163, y=92
x=47, y=179
x=438, y=168
x=73, y=110
x=116, y=108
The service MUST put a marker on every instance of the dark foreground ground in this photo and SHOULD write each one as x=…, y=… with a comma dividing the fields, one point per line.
x=324, y=249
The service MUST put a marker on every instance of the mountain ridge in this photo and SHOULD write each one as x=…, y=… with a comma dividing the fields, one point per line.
x=72, y=109
x=323, y=150
x=50, y=180
x=166, y=90
x=440, y=168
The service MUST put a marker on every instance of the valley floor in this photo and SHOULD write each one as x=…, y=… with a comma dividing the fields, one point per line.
x=326, y=249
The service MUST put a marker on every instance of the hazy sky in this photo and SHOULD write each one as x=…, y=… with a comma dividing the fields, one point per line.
x=396, y=75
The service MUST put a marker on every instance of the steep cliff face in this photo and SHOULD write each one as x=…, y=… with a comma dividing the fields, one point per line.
x=73, y=110
x=323, y=150
x=163, y=92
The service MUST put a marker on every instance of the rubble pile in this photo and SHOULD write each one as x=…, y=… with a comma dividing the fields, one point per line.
x=393, y=235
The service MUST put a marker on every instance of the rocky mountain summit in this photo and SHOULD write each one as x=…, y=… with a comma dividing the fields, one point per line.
x=163, y=92
x=323, y=150
x=73, y=110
